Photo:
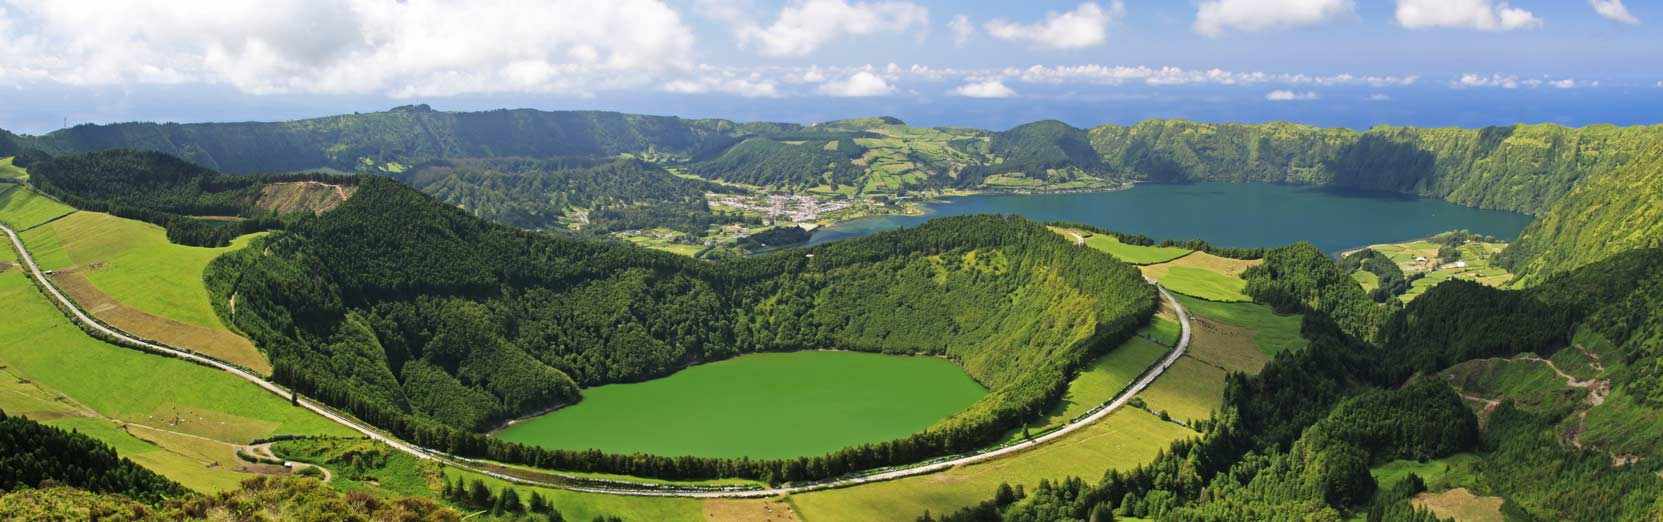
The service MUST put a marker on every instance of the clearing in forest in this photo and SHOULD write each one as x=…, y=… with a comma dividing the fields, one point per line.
x=303, y=196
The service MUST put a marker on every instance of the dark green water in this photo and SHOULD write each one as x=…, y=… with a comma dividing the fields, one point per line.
x=1225, y=214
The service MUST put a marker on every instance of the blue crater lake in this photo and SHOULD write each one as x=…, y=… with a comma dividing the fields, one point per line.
x=1224, y=214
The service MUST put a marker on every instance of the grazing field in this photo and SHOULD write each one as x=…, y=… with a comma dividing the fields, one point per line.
x=1101, y=381
x=1123, y=440
x=772, y=405
x=1421, y=256
x=1448, y=472
x=1461, y=504
x=8, y=170
x=1272, y=333
x=126, y=272
x=1189, y=391
x=1134, y=254
x=1203, y=275
x=22, y=209
x=39, y=344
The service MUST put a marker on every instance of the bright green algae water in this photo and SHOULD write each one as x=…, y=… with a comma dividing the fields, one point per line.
x=771, y=405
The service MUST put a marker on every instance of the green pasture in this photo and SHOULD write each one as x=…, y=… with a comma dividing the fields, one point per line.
x=37, y=342
x=1134, y=254
x=1272, y=333
x=21, y=208
x=133, y=262
x=1205, y=284
x=773, y=405
x=1100, y=382
x=8, y=170
x=1123, y=440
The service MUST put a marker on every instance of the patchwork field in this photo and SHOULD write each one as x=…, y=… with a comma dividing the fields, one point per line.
x=772, y=405
x=125, y=272
x=1421, y=256
x=1134, y=254
x=1203, y=275
x=52, y=372
x=38, y=343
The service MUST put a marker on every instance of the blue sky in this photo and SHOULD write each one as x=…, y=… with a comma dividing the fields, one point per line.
x=1353, y=63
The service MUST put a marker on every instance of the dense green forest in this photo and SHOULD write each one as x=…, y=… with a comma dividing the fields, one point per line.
x=197, y=206
x=35, y=455
x=435, y=324
x=604, y=195
x=1296, y=440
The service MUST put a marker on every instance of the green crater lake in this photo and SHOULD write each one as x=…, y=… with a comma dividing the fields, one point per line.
x=1224, y=214
x=769, y=405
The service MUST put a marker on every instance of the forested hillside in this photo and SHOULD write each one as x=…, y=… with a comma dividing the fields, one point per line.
x=197, y=206
x=433, y=323
x=1299, y=440
x=1616, y=210
x=405, y=135
x=607, y=195
x=35, y=455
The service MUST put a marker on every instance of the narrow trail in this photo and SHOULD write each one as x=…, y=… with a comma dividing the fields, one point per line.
x=618, y=488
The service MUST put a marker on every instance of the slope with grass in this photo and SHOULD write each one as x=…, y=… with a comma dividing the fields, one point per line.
x=9, y=170
x=23, y=209
x=1203, y=275
x=127, y=273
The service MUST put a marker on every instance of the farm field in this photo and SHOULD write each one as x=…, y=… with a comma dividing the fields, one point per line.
x=1272, y=333
x=10, y=171
x=574, y=505
x=39, y=344
x=126, y=272
x=21, y=208
x=1474, y=264
x=771, y=405
x=186, y=436
x=1123, y=440
x=1202, y=275
x=1100, y=382
x=1134, y=254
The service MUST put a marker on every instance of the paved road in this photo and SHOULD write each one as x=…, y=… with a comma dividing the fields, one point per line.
x=1119, y=401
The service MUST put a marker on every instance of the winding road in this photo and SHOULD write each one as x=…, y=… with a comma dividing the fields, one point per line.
x=619, y=488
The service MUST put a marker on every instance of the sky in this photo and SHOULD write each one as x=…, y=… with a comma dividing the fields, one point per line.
x=988, y=64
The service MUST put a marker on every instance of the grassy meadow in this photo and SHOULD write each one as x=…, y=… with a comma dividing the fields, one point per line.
x=1271, y=333
x=1476, y=254
x=1125, y=439
x=127, y=273
x=22, y=209
x=39, y=344
x=770, y=405
x=1134, y=254
x=8, y=170
x=1202, y=275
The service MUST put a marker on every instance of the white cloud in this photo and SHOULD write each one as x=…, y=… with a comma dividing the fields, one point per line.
x=1484, y=15
x=1614, y=10
x=860, y=84
x=962, y=29
x=724, y=82
x=1117, y=75
x=1215, y=17
x=401, y=49
x=1085, y=26
x=1507, y=81
x=805, y=25
x=985, y=89
x=1284, y=95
